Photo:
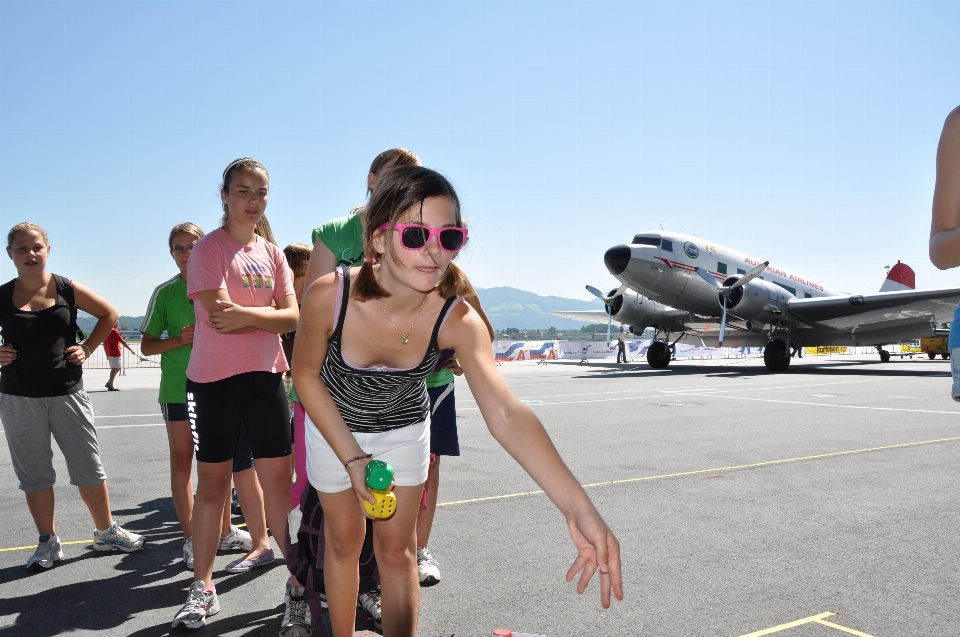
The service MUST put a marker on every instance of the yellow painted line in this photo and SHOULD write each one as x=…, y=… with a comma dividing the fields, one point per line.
x=787, y=626
x=32, y=547
x=843, y=628
x=754, y=465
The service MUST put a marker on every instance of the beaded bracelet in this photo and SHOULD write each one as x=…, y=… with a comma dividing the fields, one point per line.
x=346, y=465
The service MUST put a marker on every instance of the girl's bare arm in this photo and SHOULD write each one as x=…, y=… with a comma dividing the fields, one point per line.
x=945, y=229
x=522, y=435
x=106, y=316
x=322, y=262
x=230, y=318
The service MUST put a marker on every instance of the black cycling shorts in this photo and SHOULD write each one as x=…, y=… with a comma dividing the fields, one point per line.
x=253, y=402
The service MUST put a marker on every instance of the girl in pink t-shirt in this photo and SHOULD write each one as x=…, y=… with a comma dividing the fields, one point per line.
x=244, y=300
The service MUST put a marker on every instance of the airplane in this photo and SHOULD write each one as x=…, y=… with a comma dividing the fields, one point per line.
x=692, y=290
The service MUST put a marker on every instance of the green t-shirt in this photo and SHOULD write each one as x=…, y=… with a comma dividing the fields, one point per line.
x=343, y=236
x=170, y=311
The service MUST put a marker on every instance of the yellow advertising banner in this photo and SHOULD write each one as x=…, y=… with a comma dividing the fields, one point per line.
x=822, y=350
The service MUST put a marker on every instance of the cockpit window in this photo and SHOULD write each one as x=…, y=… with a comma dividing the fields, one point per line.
x=640, y=240
x=666, y=245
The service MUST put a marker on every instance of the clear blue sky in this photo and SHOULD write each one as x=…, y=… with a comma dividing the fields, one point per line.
x=800, y=132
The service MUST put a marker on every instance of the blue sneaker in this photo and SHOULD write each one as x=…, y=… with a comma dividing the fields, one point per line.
x=48, y=551
x=117, y=538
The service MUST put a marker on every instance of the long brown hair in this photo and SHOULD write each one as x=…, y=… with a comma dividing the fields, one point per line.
x=399, y=157
x=400, y=190
x=245, y=163
x=297, y=254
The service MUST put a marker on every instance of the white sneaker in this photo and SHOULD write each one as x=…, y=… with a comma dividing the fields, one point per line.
x=119, y=538
x=427, y=568
x=200, y=604
x=48, y=551
x=236, y=539
x=297, y=621
x=188, y=553
x=369, y=603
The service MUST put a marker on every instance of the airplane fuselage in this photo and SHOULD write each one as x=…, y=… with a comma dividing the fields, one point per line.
x=662, y=266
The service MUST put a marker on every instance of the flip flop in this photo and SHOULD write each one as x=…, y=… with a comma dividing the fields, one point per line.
x=109, y=388
x=242, y=566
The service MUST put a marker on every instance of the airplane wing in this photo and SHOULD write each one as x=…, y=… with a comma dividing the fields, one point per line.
x=589, y=316
x=885, y=311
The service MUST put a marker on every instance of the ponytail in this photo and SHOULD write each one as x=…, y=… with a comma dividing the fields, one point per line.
x=366, y=286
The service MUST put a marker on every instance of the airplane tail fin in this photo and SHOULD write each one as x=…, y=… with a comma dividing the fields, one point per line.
x=900, y=277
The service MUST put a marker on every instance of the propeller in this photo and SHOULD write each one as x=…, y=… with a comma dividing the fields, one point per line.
x=607, y=303
x=727, y=290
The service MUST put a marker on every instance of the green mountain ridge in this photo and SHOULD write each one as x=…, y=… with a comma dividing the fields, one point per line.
x=506, y=307
x=510, y=307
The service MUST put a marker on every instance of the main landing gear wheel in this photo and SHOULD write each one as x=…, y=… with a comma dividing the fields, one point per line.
x=658, y=355
x=776, y=356
x=884, y=356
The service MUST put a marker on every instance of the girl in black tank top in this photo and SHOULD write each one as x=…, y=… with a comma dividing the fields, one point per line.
x=361, y=347
x=41, y=373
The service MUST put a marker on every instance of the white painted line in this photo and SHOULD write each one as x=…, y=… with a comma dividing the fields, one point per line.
x=130, y=416
x=162, y=424
x=799, y=402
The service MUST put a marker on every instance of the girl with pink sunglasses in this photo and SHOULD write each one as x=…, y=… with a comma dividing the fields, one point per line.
x=367, y=340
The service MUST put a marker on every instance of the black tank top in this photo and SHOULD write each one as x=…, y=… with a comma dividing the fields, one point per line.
x=378, y=399
x=40, y=369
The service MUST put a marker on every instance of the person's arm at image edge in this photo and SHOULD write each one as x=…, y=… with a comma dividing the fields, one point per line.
x=945, y=228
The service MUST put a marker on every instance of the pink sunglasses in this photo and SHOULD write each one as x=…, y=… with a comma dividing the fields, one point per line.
x=414, y=237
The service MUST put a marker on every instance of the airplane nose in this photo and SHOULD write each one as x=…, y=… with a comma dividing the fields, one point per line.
x=617, y=259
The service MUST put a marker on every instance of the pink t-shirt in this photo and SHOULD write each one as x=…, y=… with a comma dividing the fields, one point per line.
x=253, y=276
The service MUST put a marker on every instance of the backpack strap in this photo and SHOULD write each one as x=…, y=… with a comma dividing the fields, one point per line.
x=65, y=289
x=6, y=302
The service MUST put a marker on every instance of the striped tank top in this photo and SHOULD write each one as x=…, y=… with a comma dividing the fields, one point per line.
x=375, y=399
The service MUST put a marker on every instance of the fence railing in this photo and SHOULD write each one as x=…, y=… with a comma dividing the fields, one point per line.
x=98, y=358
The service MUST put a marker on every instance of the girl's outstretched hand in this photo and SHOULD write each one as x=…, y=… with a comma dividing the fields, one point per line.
x=597, y=549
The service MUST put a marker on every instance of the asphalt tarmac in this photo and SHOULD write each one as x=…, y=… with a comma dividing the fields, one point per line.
x=816, y=503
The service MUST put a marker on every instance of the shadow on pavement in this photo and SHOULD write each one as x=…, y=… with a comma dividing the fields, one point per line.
x=149, y=581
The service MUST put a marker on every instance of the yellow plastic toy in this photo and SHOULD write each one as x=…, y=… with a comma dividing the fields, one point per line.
x=379, y=479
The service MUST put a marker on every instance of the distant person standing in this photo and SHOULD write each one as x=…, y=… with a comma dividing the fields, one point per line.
x=41, y=392
x=111, y=346
x=945, y=229
x=621, y=346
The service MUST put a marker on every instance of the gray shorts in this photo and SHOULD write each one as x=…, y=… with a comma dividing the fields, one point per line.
x=28, y=424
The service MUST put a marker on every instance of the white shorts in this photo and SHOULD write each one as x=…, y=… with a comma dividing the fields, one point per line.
x=407, y=449
x=114, y=362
